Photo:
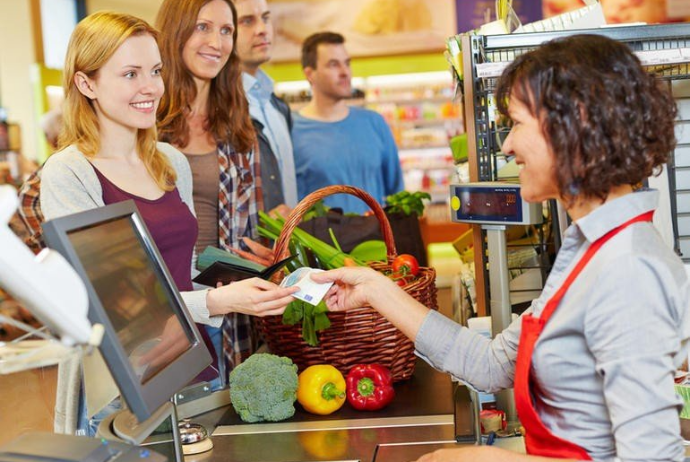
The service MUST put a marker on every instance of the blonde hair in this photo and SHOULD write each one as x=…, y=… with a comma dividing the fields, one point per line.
x=93, y=42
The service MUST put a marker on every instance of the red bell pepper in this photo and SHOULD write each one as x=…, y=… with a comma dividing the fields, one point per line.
x=369, y=387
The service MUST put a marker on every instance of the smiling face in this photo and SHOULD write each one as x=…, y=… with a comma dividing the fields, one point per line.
x=332, y=77
x=126, y=90
x=254, y=33
x=208, y=48
x=533, y=154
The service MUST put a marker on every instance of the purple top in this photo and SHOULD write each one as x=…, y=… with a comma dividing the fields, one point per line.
x=171, y=225
x=174, y=230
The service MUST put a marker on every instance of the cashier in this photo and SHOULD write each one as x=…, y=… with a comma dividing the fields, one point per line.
x=592, y=360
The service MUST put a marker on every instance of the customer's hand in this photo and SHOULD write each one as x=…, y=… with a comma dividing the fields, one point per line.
x=254, y=296
x=354, y=286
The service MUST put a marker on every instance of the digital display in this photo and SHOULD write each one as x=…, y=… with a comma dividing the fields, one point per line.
x=492, y=203
x=132, y=294
x=489, y=204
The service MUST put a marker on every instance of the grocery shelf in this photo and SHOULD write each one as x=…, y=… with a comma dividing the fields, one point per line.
x=664, y=50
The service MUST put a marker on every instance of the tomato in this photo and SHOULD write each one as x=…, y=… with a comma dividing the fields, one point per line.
x=406, y=264
x=399, y=279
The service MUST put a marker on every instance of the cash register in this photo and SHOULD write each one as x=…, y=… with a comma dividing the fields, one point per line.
x=114, y=261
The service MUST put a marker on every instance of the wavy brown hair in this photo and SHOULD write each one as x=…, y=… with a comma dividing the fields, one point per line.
x=228, y=111
x=93, y=42
x=608, y=121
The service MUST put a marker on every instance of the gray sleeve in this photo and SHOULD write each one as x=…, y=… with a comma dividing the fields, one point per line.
x=632, y=329
x=67, y=186
x=486, y=365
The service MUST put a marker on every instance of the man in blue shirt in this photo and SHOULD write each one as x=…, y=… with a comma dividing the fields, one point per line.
x=339, y=144
x=270, y=115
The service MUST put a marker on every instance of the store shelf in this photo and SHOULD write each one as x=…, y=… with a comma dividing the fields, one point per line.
x=409, y=100
x=428, y=123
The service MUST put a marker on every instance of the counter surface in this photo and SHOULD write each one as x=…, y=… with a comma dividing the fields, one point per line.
x=422, y=412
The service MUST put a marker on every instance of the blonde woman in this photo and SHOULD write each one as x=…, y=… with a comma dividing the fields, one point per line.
x=108, y=152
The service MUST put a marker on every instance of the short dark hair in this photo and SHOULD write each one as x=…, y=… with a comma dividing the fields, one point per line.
x=311, y=44
x=609, y=122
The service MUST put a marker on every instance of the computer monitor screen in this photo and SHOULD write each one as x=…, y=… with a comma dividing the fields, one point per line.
x=151, y=345
x=130, y=291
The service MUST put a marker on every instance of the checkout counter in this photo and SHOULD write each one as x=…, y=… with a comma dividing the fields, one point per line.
x=421, y=419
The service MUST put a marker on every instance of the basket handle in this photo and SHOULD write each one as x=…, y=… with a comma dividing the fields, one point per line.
x=281, y=248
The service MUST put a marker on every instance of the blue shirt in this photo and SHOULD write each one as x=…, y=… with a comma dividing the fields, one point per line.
x=259, y=90
x=357, y=151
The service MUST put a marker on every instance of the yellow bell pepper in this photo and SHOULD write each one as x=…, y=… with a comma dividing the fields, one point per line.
x=321, y=389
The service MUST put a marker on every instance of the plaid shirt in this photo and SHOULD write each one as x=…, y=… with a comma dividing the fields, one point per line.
x=30, y=211
x=239, y=200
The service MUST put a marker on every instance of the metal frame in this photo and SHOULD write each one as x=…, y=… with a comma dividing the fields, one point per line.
x=481, y=55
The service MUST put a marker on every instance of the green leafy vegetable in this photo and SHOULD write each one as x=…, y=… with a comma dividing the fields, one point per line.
x=407, y=202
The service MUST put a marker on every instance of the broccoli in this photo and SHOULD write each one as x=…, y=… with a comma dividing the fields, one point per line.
x=264, y=387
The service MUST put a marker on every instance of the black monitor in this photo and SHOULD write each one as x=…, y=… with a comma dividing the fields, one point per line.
x=132, y=294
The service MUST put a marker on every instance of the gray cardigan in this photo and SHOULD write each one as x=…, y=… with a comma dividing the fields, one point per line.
x=69, y=185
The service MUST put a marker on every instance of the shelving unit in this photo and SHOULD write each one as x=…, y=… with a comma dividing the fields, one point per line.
x=663, y=49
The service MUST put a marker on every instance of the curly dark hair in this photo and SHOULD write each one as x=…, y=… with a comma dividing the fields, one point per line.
x=608, y=120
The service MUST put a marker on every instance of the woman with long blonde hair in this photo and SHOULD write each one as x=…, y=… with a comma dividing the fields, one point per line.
x=108, y=152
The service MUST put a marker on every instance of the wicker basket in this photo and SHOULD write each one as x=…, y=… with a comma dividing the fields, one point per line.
x=357, y=336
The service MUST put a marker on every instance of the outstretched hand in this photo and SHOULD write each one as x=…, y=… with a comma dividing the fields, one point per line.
x=353, y=287
x=253, y=296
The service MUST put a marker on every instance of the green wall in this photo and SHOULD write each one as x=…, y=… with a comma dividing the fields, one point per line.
x=43, y=77
x=367, y=67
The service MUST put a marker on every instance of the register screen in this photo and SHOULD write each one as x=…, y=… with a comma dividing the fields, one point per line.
x=132, y=294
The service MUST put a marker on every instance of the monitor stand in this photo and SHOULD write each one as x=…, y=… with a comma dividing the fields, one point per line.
x=124, y=426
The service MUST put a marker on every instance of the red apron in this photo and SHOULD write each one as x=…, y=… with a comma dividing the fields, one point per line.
x=538, y=439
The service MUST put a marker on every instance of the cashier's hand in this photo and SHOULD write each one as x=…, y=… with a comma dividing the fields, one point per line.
x=253, y=296
x=353, y=287
x=481, y=453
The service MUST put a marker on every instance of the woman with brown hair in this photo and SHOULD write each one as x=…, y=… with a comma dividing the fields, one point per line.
x=204, y=113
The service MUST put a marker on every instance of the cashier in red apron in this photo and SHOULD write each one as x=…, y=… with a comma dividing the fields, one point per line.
x=592, y=361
